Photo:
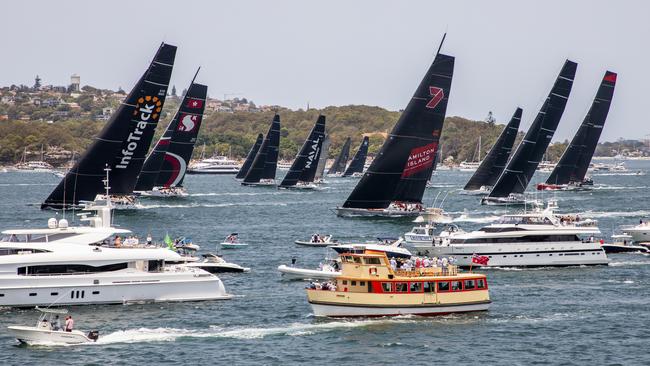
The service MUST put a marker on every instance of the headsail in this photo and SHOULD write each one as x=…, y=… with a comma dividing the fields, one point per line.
x=178, y=154
x=322, y=160
x=123, y=142
x=402, y=167
x=575, y=160
x=303, y=168
x=341, y=160
x=249, y=158
x=359, y=159
x=526, y=158
x=495, y=161
x=266, y=160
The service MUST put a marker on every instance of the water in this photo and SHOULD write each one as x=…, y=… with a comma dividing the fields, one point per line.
x=544, y=316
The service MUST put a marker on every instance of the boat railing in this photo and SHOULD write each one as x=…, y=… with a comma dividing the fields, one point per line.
x=449, y=270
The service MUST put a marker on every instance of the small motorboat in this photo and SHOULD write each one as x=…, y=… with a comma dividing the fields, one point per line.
x=232, y=242
x=391, y=246
x=623, y=243
x=47, y=331
x=434, y=215
x=215, y=264
x=317, y=241
x=326, y=271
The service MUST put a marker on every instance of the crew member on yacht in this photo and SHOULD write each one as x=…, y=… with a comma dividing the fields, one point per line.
x=69, y=323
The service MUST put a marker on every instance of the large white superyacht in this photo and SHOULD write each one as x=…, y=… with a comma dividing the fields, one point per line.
x=536, y=239
x=66, y=265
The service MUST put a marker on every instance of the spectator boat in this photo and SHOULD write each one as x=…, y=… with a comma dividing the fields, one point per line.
x=46, y=331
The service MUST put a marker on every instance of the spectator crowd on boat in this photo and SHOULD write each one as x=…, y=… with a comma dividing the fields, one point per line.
x=413, y=263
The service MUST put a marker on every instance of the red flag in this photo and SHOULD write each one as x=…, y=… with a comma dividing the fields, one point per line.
x=480, y=260
x=194, y=103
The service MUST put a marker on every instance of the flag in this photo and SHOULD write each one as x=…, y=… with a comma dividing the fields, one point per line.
x=169, y=242
x=194, y=103
x=480, y=259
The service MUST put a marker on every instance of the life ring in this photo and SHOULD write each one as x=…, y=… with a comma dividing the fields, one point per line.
x=372, y=271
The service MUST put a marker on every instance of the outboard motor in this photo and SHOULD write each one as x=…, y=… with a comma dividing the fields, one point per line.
x=93, y=335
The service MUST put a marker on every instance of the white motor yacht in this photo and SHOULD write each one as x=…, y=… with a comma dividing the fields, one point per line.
x=214, y=165
x=540, y=238
x=640, y=233
x=68, y=265
x=392, y=247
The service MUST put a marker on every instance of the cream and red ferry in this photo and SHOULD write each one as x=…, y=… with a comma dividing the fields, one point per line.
x=369, y=286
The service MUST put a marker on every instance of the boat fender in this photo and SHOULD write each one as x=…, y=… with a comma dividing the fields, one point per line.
x=372, y=271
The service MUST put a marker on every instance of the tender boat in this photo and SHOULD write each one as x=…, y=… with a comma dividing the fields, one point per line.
x=623, y=243
x=318, y=241
x=369, y=286
x=44, y=333
x=326, y=271
x=232, y=242
x=215, y=264
x=392, y=247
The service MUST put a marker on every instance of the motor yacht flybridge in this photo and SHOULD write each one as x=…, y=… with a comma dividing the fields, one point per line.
x=532, y=239
x=75, y=265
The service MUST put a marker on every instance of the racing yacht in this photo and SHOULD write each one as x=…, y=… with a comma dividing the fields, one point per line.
x=537, y=239
x=79, y=265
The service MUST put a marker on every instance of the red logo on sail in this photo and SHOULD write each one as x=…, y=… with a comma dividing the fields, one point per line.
x=194, y=103
x=188, y=123
x=610, y=77
x=437, y=95
x=420, y=158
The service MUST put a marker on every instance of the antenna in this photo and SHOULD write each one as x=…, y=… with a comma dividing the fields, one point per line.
x=195, y=74
x=441, y=42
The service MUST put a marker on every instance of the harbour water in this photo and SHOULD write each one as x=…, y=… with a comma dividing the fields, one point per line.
x=595, y=315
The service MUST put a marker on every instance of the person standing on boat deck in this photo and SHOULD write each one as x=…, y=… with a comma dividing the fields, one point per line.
x=149, y=239
x=393, y=263
x=69, y=323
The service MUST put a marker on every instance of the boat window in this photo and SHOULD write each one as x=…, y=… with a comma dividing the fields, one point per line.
x=429, y=287
x=373, y=260
x=416, y=286
x=480, y=283
x=521, y=239
x=402, y=287
x=62, y=269
x=13, y=251
x=345, y=282
x=362, y=283
x=443, y=286
x=155, y=266
x=470, y=284
x=456, y=285
x=353, y=283
x=357, y=259
x=54, y=294
x=387, y=286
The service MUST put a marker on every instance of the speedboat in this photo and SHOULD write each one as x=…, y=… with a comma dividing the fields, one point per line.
x=45, y=333
x=623, y=243
x=317, y=241
x=391, y=246
x=326, y=271
x=119, y=202
x=434, y=215
x=369, y=286
x=232, y=242
x=81, y=265
x=215, y=264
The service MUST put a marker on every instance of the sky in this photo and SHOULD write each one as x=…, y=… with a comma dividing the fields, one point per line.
x=342, y=52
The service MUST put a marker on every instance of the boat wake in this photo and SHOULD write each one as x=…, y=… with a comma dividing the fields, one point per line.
x=275, y=193
x=198, y=205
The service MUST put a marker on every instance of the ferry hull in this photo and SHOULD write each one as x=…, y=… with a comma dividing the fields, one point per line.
x=338, y=310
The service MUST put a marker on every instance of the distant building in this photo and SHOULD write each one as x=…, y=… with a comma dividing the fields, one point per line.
x=75, y=83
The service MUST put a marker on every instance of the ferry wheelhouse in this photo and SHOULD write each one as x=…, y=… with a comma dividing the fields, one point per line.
x=369, y=286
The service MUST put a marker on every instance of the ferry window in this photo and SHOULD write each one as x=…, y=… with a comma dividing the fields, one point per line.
x=362, y=283
x=347, y=259
x=373, y=261
x=353, y=283
x=480, y=283
x=416, y=286
x=402, y=287
x=456, y=285
x=429, y=287
x=357, y=259
x=443, y=286
x=470, y=284
x=387, y=286
x=345, y=282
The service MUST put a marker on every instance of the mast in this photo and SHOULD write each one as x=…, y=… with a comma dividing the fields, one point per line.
x=495, y=160
x=526, y=158
x=124, y=140
x=404, y=163
x=574, y=163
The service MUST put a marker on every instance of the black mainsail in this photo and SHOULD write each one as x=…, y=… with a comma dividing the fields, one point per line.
x=341, y=160
x=185, y=121
x=266, y=160
x=400, y=170
x=529, y=153
x=322, y=160
x=359, y=159
x=304, y=166
x=495, y=161
x=123, y=142
x=181, y=146
x=573, y=165
x=249, y=158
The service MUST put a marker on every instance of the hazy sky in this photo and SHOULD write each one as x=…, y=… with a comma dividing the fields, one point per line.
x=508, y=53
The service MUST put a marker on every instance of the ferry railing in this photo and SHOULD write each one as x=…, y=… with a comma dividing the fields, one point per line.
x=449, y=270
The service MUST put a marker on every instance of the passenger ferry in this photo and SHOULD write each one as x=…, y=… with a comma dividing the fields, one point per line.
x=369, y=286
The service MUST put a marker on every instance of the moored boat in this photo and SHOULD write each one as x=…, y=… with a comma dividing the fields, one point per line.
x=369, y=286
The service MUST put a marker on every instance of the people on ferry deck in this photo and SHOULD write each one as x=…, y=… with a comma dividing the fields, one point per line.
x=56, y=324
x=393, y=263
x=434, y=262
x=427, y=262
x=69, y=323
x=445, y=262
